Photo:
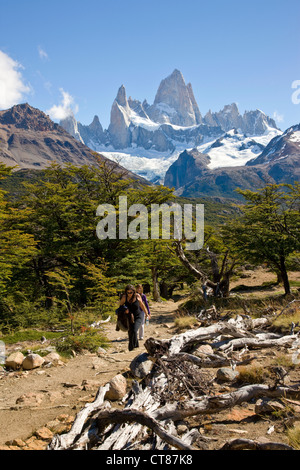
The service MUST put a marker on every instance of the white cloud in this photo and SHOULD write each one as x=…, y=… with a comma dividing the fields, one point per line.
x=12, y=86
x=42, y=53
x=278, y=117
x=65, y=109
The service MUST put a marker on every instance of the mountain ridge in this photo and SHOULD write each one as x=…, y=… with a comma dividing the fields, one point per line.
x=167, y=142
x=173, y=117
x=29, y=139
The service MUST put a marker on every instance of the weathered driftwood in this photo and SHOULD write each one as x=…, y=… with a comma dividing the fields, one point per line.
x=247, y=444
x=117, y=437
x=100, y=322
x=131, y=415
x=186, y=340
x=215, y=404
x=152, y=403
x=258, y=343
x=65, y=441
x=212, y=360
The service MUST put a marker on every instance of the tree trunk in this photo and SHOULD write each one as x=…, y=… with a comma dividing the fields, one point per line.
x=156, y=294
x=221, y=280
x=164, y=289
x=224, y=285
x=284, y=276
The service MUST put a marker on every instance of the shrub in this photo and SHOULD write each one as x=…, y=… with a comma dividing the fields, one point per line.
x=90, y=340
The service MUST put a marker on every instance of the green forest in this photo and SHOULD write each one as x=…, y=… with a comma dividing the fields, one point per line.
x=55, y=271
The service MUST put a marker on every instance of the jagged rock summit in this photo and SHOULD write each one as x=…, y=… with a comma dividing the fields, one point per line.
x=120, y=121
x=173, y=120
x=175, y=103
x=251, y=122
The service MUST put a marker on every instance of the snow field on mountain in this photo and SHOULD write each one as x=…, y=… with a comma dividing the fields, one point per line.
x=234, y=149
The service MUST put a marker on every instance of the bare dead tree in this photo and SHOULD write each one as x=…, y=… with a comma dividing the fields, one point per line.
x=220, y=275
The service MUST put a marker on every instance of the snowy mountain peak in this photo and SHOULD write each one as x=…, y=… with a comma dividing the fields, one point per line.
x=151, y=136
x=121, y=97
x=251, y=123
x=71, y=126
x=282, y=146
x=174, y=102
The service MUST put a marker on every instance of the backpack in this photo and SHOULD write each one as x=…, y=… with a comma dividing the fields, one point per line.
x=123, y=319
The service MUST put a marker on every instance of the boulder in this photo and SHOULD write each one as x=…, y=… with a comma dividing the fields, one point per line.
x=117, y=390
x=15, y=360
x=226, y=374
x=204, y=349
x=268, y=406
x=53, y=358
x=32, y=361
x=141, y=365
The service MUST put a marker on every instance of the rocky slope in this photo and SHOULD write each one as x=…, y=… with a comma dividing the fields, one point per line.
x=191, y=174
x=29, y=139
x=283, y=148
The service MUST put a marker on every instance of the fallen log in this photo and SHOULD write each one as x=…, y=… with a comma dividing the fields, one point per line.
x=247, y=444
x=213, y=361
x=65, y=441
x=190, y=338
x=215, y=404
x=116, y=437
x=136, y=416
x=257, y=343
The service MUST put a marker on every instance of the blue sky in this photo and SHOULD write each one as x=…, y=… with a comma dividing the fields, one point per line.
x=82, y=51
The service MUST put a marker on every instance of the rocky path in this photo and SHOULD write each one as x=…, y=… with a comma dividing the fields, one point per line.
x=35, y=404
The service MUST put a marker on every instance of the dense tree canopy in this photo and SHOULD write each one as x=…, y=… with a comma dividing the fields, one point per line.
x=51, y=259
x=269, y=230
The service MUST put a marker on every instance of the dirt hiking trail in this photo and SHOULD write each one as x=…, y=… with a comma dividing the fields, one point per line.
x=58, y=391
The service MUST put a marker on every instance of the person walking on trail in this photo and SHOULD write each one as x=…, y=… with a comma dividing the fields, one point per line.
x=136, y=309
x=139, y=290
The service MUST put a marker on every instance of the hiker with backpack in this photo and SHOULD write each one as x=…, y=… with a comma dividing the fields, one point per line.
x=135, y=310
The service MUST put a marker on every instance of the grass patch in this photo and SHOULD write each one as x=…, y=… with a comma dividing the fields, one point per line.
x=253, y=374
x=283, y=322
x=295, y=283
x=184, y=323
x=29, y=335
x=285, y=361
x=294, y=436
x=89, y=340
